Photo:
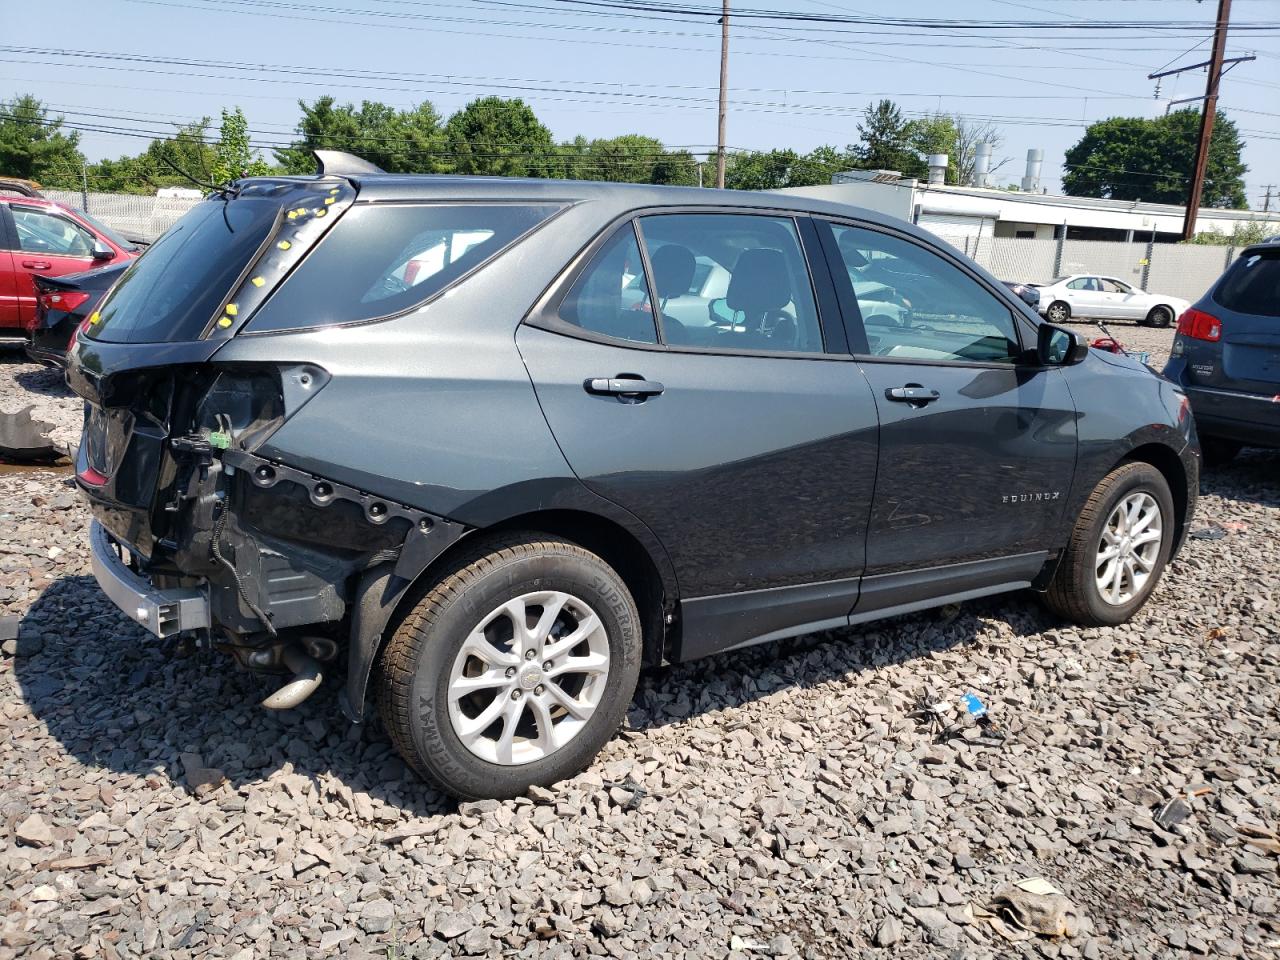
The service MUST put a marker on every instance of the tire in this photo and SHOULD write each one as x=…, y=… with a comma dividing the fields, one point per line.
x=1058, y=312
x=1217, y=451
x=1160, y=317
x=424, y=661
x=1074, y=591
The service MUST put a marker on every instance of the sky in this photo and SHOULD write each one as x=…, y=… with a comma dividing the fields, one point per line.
x=589, y=68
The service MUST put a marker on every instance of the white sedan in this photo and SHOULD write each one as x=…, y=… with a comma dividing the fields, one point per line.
x=1106, y=298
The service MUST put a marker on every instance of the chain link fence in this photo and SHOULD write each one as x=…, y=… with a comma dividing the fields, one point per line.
x=1185, y=271
x=142, y=217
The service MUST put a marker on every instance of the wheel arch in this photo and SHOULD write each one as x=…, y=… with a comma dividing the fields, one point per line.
x=1167, y=461
x=381, y=602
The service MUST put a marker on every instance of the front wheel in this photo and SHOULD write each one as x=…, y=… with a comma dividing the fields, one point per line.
x=1118, y=549
x=1058, y=312
x=514, y=670
x=1160, y=317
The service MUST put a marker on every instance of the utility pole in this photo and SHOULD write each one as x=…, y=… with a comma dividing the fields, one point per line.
x=1207, y=115
x=1266, y=200
x=724, y=93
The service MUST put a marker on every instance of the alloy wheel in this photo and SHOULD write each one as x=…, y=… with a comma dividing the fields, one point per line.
x=1129, y=548
x=528, y=677
x=1058, y=313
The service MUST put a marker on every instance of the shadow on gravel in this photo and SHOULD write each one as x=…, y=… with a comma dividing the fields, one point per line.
x=1253, y=477
x=115, y=698
x=46, y=381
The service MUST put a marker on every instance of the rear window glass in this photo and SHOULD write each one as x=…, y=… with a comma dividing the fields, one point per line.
x=1253, y=285
x=380, y=260
x=171, y=292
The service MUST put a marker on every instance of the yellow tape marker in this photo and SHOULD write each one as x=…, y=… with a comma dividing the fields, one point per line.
x=93, y=317
x=232, y=309
x=257, y=281
x=321, y=211
x=224, y=322
x=329, y=200
x=284, y=244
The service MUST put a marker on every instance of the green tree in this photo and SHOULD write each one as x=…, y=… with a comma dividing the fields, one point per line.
x=233, y=157
x=776, y=169
x=33, y=146
x=1243, y=234
x=1135, y=158
x=886, y=141
x=499, y=137
x=182, y=160
x=398, y=141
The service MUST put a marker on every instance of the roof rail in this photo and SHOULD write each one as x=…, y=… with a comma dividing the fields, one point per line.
x=338, y=163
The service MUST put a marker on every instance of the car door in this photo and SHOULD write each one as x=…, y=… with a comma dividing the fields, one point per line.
x=1122, y=302
x=1085, y=296
x=745, y=438
x=10, y=319
x=48, y=244
x=977, y=441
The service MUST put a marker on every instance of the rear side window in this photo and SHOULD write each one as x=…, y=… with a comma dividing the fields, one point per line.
x=611, y=297
x=1253, y=285
x=380, y=260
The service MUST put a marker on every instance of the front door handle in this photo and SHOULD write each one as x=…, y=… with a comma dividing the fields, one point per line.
x=623, y=387
x=913, y=394
x=36, y=264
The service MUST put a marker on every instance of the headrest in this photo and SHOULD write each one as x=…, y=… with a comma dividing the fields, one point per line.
x=759, y=282
x=673, y=267
x=853, y=258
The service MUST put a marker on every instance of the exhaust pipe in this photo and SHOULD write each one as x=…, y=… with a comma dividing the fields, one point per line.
x=306, y=680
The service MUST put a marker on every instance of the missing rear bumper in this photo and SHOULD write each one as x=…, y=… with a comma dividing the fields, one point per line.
x=165, y=613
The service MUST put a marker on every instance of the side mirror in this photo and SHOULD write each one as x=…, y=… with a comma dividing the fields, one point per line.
x=1059, y=347
x=101, y=251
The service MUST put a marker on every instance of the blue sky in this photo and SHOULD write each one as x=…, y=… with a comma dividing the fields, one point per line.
x=601, y=73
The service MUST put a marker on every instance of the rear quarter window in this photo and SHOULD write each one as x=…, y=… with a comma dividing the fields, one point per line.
x=381, y=260
x=1252, y=285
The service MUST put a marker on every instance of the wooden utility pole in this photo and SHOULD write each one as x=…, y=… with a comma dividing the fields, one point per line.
x=724, y=93
x=1266, y=201
x=1207, y=115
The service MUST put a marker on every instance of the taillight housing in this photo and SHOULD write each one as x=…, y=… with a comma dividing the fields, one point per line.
x=64, y=300
x=1199, y=325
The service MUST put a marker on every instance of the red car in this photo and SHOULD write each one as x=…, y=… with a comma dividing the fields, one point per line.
x=41, y=237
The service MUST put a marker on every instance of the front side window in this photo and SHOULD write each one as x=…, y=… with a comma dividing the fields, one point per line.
x=732, y=282
x=380, y=260
x=1115, y=286
x=916, y=305
x=611, y=297
x=41, y=232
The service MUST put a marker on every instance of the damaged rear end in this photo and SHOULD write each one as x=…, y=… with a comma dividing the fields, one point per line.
x=194, y=532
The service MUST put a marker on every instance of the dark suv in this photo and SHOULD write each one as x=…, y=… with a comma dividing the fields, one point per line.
x=450, y=428
x=1226, y=355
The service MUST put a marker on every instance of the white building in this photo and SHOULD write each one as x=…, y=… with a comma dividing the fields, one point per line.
x=1033, y=236
x=968, y=216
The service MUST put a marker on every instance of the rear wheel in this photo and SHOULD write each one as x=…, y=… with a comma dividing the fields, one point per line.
x=1217, y=451
x=1058, y=312
x=1160, y=317
x=514, y=670
x=1118, y=548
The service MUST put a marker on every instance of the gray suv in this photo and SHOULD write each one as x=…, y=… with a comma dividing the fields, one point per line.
x=1226, y=355
x=497, y=444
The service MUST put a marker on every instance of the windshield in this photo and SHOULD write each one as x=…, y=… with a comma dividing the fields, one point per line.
x=172, y=291
x=110, y=234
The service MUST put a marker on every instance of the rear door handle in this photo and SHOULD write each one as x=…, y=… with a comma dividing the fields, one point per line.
x=623, y=387
x=912, y=393
x=36, y=264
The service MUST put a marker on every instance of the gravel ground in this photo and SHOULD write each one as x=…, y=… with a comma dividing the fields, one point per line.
x=784, y=800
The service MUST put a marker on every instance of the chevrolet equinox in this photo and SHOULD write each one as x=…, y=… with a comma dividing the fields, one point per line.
x=499, y=443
